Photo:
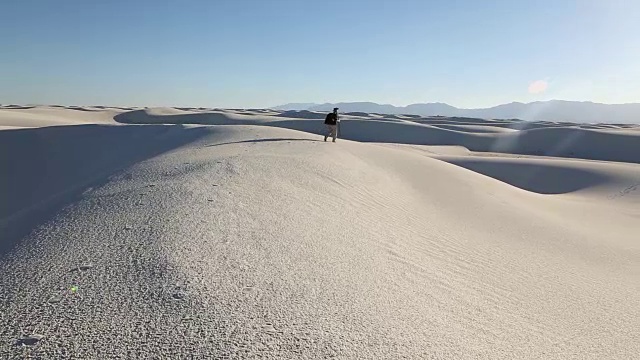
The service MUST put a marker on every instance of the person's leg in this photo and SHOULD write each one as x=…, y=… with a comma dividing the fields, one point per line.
x=328, y=132
x=334, y=132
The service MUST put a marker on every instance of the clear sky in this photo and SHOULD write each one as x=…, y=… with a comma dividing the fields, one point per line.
x=259, y=53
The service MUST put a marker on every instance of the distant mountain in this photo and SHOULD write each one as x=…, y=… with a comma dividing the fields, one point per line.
x=554, y=110
x=432, y=108
x=294, y=106
x=368, y=107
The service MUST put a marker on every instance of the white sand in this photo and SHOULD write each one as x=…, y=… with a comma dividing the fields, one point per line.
x=40, y=116
x=251, y=238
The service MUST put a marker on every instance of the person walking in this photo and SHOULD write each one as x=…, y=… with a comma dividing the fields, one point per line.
x=331, y=122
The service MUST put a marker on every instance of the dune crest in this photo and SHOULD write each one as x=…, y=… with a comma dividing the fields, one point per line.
x=506, y=136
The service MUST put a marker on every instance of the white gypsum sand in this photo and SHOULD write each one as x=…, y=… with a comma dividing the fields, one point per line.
x=206, y=233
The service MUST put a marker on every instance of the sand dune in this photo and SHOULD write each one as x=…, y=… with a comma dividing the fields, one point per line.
x=473, y=128
x=244, y=236
x=545, y=139
x=56, y=160
x=303, y=114
x=39, y=116
x=550, y=176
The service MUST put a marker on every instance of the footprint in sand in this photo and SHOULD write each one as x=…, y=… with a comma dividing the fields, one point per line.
x=179, y=295
x=268, y=328
x=247, y=290
x=83, y=267
x=29, y=339
x=55, y=299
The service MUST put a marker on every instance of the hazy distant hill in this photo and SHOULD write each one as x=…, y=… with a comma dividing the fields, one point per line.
x=554, y=110
x=294, y=106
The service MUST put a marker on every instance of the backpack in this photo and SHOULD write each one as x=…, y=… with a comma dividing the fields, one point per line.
x=331, y=118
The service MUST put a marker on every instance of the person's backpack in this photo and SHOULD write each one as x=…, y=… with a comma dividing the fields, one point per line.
x=331, y=118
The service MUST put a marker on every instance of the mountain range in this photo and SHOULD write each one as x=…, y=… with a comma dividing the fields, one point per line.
x=553, y=110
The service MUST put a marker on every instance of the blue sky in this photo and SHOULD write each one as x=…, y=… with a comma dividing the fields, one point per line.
x=259, y=53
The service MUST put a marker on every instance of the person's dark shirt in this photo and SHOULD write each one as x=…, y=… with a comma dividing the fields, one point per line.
x=331, y=119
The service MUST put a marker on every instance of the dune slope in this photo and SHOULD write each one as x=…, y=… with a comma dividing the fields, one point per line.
x=504, y=136
x=253, y=241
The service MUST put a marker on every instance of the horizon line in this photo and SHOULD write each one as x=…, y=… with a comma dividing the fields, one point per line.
x=318, y=104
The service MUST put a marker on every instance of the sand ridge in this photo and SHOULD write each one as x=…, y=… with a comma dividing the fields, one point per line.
x=219, y=233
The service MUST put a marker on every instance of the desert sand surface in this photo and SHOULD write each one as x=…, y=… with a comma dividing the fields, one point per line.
x=239, y=233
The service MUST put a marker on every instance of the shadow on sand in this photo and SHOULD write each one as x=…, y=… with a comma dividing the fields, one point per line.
x=16, y=107
x=261, y=140
x=44, y=169
x=541, y=178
